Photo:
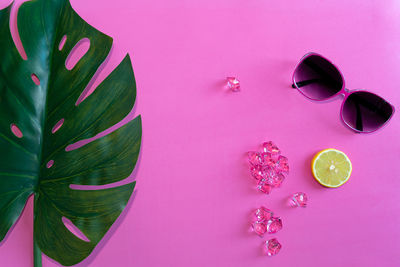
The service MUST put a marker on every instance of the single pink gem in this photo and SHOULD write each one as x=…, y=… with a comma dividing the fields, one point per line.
x=299, y=199
x=257, y=172
x=255, y=158
x=268, y=159
x=274, y=225
x=269, y=175
x=283, y=164
x=272, y=247
x=262, y=214
x=264, y=187
x=271, y=148
x=233, y=84
x=259, y=228
x=278, y=179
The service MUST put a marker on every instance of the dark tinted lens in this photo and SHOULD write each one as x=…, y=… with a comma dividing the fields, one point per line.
x=366, y=112
x=318, y=78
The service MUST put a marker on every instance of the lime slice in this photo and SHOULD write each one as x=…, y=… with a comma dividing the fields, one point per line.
x=331, y=167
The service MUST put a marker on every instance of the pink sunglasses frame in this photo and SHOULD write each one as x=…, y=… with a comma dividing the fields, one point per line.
x=343, y=91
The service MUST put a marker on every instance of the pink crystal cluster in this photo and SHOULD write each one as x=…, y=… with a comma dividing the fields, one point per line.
x=268, y=167
x=265, y=222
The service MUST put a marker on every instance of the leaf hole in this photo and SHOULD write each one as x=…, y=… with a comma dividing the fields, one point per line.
x=79, y=50
x=57, y=126
x=62, y=42
x=50, y=164
x=101, y=186
x=74, y=230
x=13, y=24
x=35, y=79
x=16, y=131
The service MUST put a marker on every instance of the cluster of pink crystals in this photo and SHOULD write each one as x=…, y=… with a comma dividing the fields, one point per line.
x=265, y=222
x=268, y=167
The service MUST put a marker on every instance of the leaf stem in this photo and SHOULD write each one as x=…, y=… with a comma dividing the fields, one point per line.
x=37, y=253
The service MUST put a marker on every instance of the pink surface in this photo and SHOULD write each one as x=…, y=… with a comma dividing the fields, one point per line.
x=194, y=193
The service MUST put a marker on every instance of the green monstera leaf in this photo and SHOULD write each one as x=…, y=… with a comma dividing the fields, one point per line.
x=39, y=118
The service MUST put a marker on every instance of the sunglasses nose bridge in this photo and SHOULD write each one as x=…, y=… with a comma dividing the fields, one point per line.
x=345, y=92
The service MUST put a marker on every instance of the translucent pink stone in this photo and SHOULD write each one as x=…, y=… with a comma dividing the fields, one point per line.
x=278, y=179
x=264, y=187
x=269, y=175
x=283, y=164
x=262, y=214
x=299, y=199
x=271, y=148
x=233, y=84
x=257, y=172
x=274, y=225
x=272, y=247
x=255, y=158
x=268, y=159
x=259, y=228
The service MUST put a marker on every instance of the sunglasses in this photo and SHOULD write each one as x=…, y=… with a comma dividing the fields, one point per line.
x=319, y=79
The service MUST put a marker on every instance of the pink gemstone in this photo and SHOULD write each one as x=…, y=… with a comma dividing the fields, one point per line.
x=268, y=159
x=255, y=158
x=278, y=179
x=269, y=175
x=272, y=247
x=259, y=228
x=299, y=199
x=233, y=84
x=263, y=214
x=283, y=164
x=257, y=172
x=274, y=225
x=271, y=148
x=264, y=187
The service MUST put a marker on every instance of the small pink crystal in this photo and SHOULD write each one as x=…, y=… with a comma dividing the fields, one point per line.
x=257, y=172
x=268, y=160
x=233, y=84
x=272, y=247
x=278, y=179
x=274, y=225
x=282, y=164
x=299, y=199
x=269, y=175
x=259, y=228
x=264, y=187
x=271, y=148
x=255, y=158
x=262, y=214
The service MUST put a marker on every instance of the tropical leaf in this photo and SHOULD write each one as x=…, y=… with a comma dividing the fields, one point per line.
x=37, y=96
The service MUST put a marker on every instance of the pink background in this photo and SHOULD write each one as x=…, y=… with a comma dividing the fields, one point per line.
x=194, y=193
